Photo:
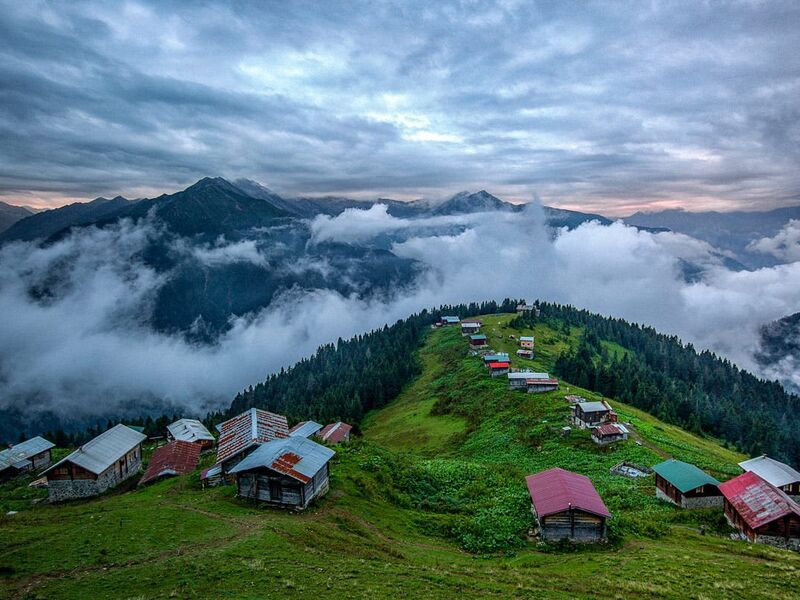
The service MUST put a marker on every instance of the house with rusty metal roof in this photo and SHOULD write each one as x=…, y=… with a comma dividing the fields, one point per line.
x=190, y=430
x=243, y=433
x=335, y=433
x=288, y=472
x=305, y=429
x=608, y=433
x=101, y=463
x=775, y=472
x=761, y=512
x=176, y=458
x=566, y=506
x=686, y=485
x=26, y=457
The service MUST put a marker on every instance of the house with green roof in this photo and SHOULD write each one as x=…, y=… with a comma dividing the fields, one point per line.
x=686, y=486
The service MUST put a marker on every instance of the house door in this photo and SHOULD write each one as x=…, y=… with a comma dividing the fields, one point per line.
x=275, y=494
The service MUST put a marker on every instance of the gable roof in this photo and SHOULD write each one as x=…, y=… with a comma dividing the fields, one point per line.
x=683, y=476
x=335, y=432
x=176, y=458
x=498, y=365
x=756, y=500
x=771, y=470
x=190, y=430
x=500, y=356
x=597, y=406
x=17, y=456
x=557, y=490
x=477, y=338
x=471, y=323
x=297, y=457
x=250, y=428
x=451, y=319
x=100, y=453
x=305, y=429
x=526, y=338
x=525, y=375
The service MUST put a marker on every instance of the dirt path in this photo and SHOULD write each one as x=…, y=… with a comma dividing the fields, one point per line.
x=647, y=444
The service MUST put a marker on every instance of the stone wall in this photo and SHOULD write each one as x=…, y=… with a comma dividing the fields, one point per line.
x=779, y=542
x=703, y=502
x=60, y=490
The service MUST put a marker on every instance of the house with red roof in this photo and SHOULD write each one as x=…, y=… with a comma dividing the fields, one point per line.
x=335, y=433
x=763, y=513
x=242, y=434
x=176, y=458
x=566, y=507
x=498, y=368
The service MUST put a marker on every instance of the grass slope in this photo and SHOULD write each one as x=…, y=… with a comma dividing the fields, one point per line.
x=439, y=471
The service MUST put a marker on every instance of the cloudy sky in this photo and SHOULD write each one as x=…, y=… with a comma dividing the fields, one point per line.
x=607, y=107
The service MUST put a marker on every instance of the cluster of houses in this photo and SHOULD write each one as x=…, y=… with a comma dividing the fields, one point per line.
x=268, y=461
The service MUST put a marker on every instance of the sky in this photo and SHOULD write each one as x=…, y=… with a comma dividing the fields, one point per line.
x=605, y=107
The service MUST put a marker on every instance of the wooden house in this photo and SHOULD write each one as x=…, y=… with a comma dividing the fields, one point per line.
x=335, y=433
x=497, y=369
x=497, y=357
x=526, y=342
x=609, y=433
x=244, y=433
x=477, y=342
x=525, y=354
x=178, y=457
x=449, y=320
x=288, y=472
x=517, y=380
x=305, y=429
x=192, y=431
x=591, y=414
x=566, y=507
x=540, y=382
x=686, y=486
x=470, y=327
x=779, y=474
x=29, y=456
x=100, y=464
x=761, y=512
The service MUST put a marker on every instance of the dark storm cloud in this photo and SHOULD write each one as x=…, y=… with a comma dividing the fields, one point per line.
x=601, y=105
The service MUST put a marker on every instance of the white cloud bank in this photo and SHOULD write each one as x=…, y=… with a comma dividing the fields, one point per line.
x=785, y=245
x=83, y=344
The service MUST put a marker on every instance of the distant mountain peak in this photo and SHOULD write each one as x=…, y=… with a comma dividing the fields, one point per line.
x=467, y=202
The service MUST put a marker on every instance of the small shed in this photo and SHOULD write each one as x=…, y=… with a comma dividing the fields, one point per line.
x=100, y=464
x=591, y=414
x=496, y=369
x=26, y=457
x=305, y=429
x=761, y=512
x=567, y=507
x=686, y=486
x=243, y=433
x=608, y=433
x=289, y=472
x=190, y=430
x=335, y=433
x=526, y=341
x=779, y=474
x=175, y=458
x=528, y=354
x=470, y=327
x=476, y=342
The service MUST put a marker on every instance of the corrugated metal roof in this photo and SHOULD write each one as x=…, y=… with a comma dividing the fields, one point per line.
x=526, y=338
x=594, y=406
x=498, y=365
x=471, y=323
x=297, y=457
x=683, y=476
x=18, y=455
x=103, y=451
x=756, y=500
x=176, y=458
x=771, y=470
x=610, y=429
x=252, y=427
x=190, y=430
x=521, y=374
x=211, y=472
x=305, y=429
x=451, y=319
x=335, y=432
x=480, y=337
x=500, y=356
x=535, y=381
x=557, y=490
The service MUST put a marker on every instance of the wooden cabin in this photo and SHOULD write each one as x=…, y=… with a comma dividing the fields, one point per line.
x=497, y=369
x=175, y=458
x=335, y=433
x=192, y=431
x=242, y=434
x=528, y=354
x=540, y=382
x=779, y=474
x=470, y=327
x=526, y=341
x=566, y=507
x=517, y=380
x=498, y=357
x=287, y=472
x=686, y=486
x=609, y=433
x=449, y=320
x=762, y=513
x=100, y=464
x=591, y=414
x=29, y=456
x=305, y=429
x=477, y=342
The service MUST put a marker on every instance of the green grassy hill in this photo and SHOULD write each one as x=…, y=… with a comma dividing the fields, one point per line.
x=430, y=503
